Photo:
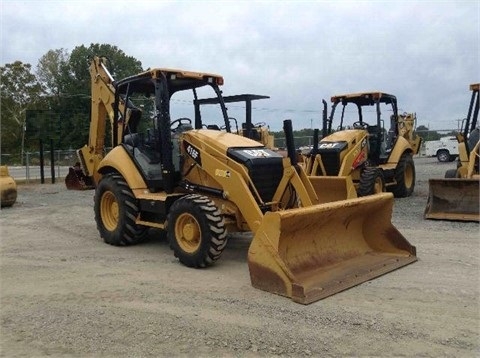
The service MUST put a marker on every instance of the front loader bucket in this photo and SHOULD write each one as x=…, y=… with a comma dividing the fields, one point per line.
x=332, y=188
x=453, y=199
x=310, y=253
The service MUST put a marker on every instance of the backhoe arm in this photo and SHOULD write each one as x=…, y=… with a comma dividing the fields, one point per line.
x=103, y=99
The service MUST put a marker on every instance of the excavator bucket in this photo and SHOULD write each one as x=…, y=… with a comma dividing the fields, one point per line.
x=453, y=199
x=76, y=180
x=313, y=252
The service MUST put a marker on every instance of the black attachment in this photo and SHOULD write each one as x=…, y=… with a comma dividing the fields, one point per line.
x=288, y=130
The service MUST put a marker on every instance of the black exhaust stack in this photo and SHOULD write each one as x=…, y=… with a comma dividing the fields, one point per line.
x=324, y=120
x=288, y=130
x=315, y=141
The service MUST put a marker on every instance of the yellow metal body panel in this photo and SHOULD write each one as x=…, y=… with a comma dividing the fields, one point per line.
x=8, y=187
x=119, y=160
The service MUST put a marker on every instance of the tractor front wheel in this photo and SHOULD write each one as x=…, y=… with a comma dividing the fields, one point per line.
x=196, y=231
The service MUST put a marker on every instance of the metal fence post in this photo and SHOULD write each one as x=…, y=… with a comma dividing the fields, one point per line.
x=27, y=166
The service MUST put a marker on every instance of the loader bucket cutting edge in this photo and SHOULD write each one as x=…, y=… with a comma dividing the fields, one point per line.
x=311, y=253
x=453, y=199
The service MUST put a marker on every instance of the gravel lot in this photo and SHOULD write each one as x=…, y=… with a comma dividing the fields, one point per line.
x=64, y=293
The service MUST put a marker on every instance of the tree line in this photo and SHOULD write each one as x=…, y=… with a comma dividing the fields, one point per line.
x=52, y=100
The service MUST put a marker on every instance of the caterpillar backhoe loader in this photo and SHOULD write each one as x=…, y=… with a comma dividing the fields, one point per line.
x=375, y=161
x=8, y=188
x=197, y=184
x=456, y=197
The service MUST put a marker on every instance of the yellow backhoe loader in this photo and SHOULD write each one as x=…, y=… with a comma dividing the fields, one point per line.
x=361, y=148
x=456, y=197
x=197, y=184
x=8, y=187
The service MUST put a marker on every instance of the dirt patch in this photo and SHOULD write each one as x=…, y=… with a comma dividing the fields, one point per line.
x=65, y=293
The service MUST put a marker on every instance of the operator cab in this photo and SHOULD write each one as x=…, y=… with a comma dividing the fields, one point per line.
x=365, y=111
x=155, y=116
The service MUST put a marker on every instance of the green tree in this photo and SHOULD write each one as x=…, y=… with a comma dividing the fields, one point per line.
x=20, y=90
x=67, y=79
x=427, y=134
x=50, y=70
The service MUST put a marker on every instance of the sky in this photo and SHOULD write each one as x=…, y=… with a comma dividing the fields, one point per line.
x=427, y=53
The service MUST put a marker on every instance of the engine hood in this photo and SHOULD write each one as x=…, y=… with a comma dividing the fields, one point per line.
x=219, y=140
x=349, y=135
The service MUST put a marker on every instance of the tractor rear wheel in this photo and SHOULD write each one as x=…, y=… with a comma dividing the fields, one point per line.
x=196, y=231
x=404, y=176
x=451, y=173
x=116, y=210
x=371, y=182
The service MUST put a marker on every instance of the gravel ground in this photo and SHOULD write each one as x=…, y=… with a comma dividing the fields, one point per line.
x=64, y=293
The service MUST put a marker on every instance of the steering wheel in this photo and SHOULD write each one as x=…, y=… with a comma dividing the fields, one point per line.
x=360, y=125
x=179, y=122
x=260, y=124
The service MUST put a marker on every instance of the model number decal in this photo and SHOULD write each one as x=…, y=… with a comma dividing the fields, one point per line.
x=256, y=152
x=193, y=152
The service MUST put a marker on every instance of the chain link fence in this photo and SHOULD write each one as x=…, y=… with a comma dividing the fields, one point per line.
x=29, y=168
x=56, y=164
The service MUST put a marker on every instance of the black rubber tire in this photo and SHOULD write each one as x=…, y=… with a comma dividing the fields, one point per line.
x=116, y=210
x=198, y=217
x=404, y=176
x=443, y=156
x=451, y=173
x=371, y=182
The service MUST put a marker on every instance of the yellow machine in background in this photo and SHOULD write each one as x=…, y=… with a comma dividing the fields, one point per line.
x=197, y=184
x=8, y=187
x=376, y=161
x=457, y=196
x=404, y=126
